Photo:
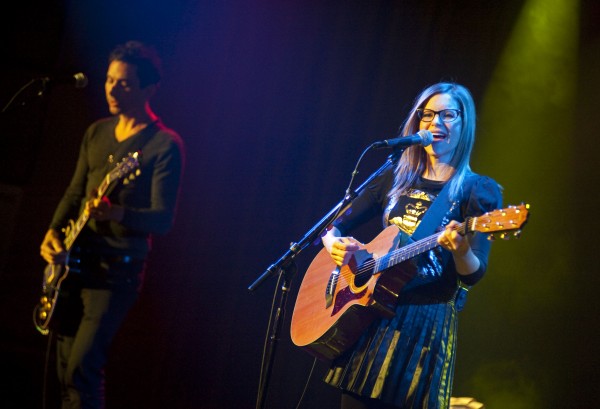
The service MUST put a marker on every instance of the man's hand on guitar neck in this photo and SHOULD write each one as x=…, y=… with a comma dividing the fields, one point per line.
x=102, y=209
x=52, y=248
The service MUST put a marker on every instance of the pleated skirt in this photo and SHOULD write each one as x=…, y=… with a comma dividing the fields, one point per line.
x=407, y=361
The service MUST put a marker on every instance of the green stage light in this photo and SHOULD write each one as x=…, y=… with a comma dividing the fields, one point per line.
x=526, y=139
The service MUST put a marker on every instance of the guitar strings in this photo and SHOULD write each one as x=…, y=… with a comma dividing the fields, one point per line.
x=414, y=248
x=369, y=266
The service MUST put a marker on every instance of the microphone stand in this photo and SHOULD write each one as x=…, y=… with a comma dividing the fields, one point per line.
x=285, y=268
x=40, y=92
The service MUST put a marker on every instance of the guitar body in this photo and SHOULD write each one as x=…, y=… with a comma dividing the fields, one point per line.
x=327, y=327
x=54, y=275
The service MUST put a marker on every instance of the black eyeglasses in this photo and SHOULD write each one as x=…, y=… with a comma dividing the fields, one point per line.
x=446, y=115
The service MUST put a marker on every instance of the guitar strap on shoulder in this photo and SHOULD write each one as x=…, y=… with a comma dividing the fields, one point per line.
x=144, y=137
x=431, y=221
x=433, y=217
x=440, y=206
x=125, y=149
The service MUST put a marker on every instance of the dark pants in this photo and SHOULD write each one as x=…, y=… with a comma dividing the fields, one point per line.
x=87, y=323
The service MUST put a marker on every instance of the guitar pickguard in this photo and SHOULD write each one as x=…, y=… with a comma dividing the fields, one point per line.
x=345, y=296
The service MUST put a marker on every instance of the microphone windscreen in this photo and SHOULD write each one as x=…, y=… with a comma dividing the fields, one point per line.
x=81, y=80
x=426, y=137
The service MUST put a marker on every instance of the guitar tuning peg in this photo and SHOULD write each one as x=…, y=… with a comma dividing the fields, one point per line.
x=517, y=234
x=125, y=181
x=131, y=176
x=138, y=172
x=504, y=236
x=491, y=237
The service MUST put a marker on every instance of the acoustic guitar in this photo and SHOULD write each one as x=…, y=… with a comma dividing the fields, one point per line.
x=336, y=304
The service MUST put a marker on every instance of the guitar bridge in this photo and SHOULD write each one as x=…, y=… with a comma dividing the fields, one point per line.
x=331, y=286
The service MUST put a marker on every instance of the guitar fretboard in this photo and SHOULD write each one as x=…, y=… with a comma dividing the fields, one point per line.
x=79, y=224
x=412, y=250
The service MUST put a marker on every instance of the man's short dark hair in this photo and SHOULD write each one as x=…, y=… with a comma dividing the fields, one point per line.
x=144, y=57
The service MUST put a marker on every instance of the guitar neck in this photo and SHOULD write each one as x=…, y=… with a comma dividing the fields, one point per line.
x=412, y=250
x=83, y=218
x=75, y=229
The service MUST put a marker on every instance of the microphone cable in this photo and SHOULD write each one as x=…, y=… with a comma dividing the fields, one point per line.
x=312, y=369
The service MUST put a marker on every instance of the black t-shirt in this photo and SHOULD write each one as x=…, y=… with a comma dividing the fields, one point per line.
x=408, y=212
x=480, y=194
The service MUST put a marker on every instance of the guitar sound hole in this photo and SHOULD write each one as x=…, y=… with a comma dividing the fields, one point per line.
x=363, y=274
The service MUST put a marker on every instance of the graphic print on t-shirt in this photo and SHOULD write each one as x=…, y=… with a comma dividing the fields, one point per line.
x=409, y=210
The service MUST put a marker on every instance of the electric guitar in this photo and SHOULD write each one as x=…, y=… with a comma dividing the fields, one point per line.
x=336, y=304
x=55, y=274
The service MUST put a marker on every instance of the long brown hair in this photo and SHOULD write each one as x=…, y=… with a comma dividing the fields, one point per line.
x=414, y=160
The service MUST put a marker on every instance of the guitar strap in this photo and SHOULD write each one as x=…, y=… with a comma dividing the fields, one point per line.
x=433, y=217
x=126, y=148
x=439, y=208
x=431, y=221
x=144, y=137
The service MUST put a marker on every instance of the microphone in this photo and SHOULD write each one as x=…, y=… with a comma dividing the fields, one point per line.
x=79, y=80
x=422, y=137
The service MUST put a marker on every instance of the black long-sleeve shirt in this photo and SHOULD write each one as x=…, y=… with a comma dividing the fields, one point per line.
x=480, y=194
x=149, y=200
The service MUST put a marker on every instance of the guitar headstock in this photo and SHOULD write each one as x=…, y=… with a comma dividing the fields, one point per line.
x=506, y=222
x=127, y=167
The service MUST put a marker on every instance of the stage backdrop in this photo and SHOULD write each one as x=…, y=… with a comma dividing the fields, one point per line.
x=276, y=102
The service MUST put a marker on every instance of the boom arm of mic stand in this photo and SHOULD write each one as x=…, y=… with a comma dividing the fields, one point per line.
x=315, y=231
